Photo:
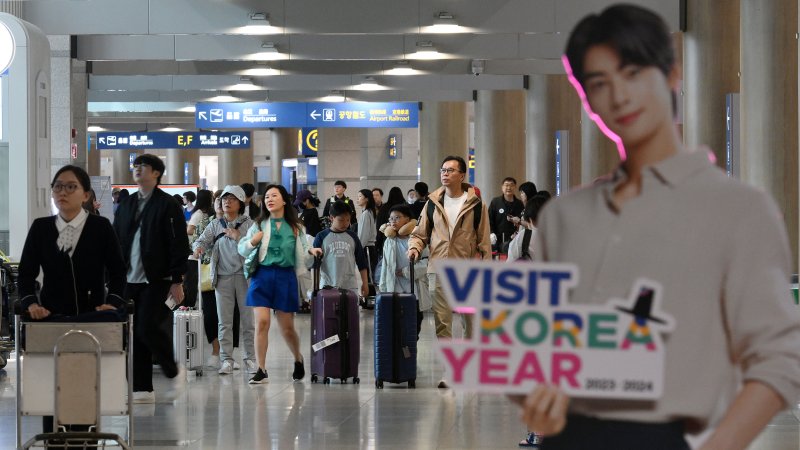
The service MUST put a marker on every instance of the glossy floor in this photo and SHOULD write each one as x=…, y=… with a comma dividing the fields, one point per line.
x=224, y=412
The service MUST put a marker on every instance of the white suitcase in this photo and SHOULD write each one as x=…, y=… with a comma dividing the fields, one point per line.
x=188, y=339
x=188, y=335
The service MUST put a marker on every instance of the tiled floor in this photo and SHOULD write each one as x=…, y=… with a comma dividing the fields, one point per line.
x=224, y=412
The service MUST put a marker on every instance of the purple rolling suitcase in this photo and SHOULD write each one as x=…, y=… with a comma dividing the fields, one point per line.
x=335, y=336
x=396, y=337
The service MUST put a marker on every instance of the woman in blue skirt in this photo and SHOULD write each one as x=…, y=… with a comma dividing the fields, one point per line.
x=274, y=255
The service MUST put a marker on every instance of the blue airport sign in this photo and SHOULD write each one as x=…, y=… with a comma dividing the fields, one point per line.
x=306, y=115
x=134, y=140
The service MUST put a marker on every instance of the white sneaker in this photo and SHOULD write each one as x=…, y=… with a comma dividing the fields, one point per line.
x=213, y=361
x=251, y=365
x=144, y=397
x=226, y=368
x=178, y=383
x=236, y=366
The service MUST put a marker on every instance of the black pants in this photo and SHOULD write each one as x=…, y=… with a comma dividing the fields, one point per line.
x=152, y=339
x=372, y=259
x=584, y=432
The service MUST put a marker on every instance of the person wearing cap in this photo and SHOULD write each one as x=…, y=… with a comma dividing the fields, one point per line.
x=221, y=237
x=307, y=205
x=152, y=233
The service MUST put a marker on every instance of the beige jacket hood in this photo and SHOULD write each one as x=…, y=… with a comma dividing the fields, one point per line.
x=467, y=241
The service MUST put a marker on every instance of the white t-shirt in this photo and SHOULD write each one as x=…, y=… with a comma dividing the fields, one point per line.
x=452, y=206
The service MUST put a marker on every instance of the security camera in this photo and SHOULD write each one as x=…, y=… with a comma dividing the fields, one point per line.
x=478, y=66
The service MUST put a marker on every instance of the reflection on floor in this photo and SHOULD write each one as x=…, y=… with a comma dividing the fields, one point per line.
x=224, y=412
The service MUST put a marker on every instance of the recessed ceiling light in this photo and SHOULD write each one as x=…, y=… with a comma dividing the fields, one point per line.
x=369, y=84
x=334, y=96
x=402, y=68
x=223, y=99
x=444, y=22
x=245, y=84
x=171, y=129
x=187, y=109
x=260, y=71
x=268, y=52
x=257, y=23
x=94, y=129
x=425, y=50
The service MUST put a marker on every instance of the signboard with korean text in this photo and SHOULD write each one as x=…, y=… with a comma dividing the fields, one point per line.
x=527, y=333
x=306, y=115
x=394, y=146
x=136, y=140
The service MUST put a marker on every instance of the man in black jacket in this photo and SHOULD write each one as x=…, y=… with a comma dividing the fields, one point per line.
x=251, y=210
x=339, y=187
x=152, y=233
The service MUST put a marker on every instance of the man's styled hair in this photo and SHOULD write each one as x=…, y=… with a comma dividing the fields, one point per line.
x=509, y=179
x=340, y=183
x=422, y=188
x=153, y=161
x=640, y=37
x=248, y=189
x=462, y=166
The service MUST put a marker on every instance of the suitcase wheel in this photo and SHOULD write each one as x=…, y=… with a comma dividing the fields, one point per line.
x=356, y=380
x=378, y=384
x=326, y=380
x=343, y=380
x=314, y=378
x=412, y=384
x=199, y=372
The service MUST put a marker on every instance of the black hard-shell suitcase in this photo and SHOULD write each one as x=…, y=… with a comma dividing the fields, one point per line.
x=396, y=337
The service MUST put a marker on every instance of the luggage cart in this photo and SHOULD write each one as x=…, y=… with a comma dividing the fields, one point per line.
x=76, y=372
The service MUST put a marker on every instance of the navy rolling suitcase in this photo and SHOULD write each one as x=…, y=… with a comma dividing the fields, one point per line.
x=335, y=336
x=396, y=337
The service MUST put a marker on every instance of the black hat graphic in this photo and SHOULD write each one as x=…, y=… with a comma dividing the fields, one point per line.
x=644, y=303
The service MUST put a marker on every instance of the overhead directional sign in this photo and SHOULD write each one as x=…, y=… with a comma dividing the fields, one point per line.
x=162, y=139
x=306, y=115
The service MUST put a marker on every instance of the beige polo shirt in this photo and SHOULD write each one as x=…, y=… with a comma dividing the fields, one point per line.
x=720, y=250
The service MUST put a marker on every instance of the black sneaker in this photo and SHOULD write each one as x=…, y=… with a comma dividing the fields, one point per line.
x=299, y=371
x=259, y=378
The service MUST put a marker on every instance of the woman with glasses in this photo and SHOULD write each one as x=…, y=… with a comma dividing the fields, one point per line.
x=77, y=253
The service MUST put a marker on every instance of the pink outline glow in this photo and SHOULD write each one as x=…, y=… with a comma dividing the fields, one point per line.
x=595, y=118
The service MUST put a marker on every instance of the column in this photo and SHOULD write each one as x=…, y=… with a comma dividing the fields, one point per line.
x=60, y=110
x=551, y=104
x=285, y=145
x=443, y=131
x=380, y=171
x=339, y=159
x=711, y=70
x=235, y=166
x=499, y=139
x=599, y=155
x=120, y=161
x=175, y=169
x=87, y=157
x=769, y=104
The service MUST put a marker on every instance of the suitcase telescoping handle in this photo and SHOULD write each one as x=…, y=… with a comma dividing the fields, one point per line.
x=315, y=270
x=411, y=262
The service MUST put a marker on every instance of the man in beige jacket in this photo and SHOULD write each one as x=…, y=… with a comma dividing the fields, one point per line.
x=454, y=223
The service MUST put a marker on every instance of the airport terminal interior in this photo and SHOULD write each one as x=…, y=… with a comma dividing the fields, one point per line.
x=375, y=93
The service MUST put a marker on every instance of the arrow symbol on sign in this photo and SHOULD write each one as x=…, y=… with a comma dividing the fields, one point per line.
x=314, y=114
x=102, y=140
x=202, y=115
x=245, y=139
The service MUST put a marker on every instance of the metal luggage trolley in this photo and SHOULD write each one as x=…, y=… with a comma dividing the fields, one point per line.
x=76, y=372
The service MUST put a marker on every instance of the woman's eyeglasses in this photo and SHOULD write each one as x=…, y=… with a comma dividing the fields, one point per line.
x=68, y=187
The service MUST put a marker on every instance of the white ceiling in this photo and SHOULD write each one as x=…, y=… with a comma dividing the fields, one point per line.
x=162, y=55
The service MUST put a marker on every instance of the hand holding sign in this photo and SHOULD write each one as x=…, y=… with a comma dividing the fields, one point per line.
x=528, y=335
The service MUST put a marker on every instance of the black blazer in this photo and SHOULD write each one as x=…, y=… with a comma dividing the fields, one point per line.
x=77, y=284
x=164, y=244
